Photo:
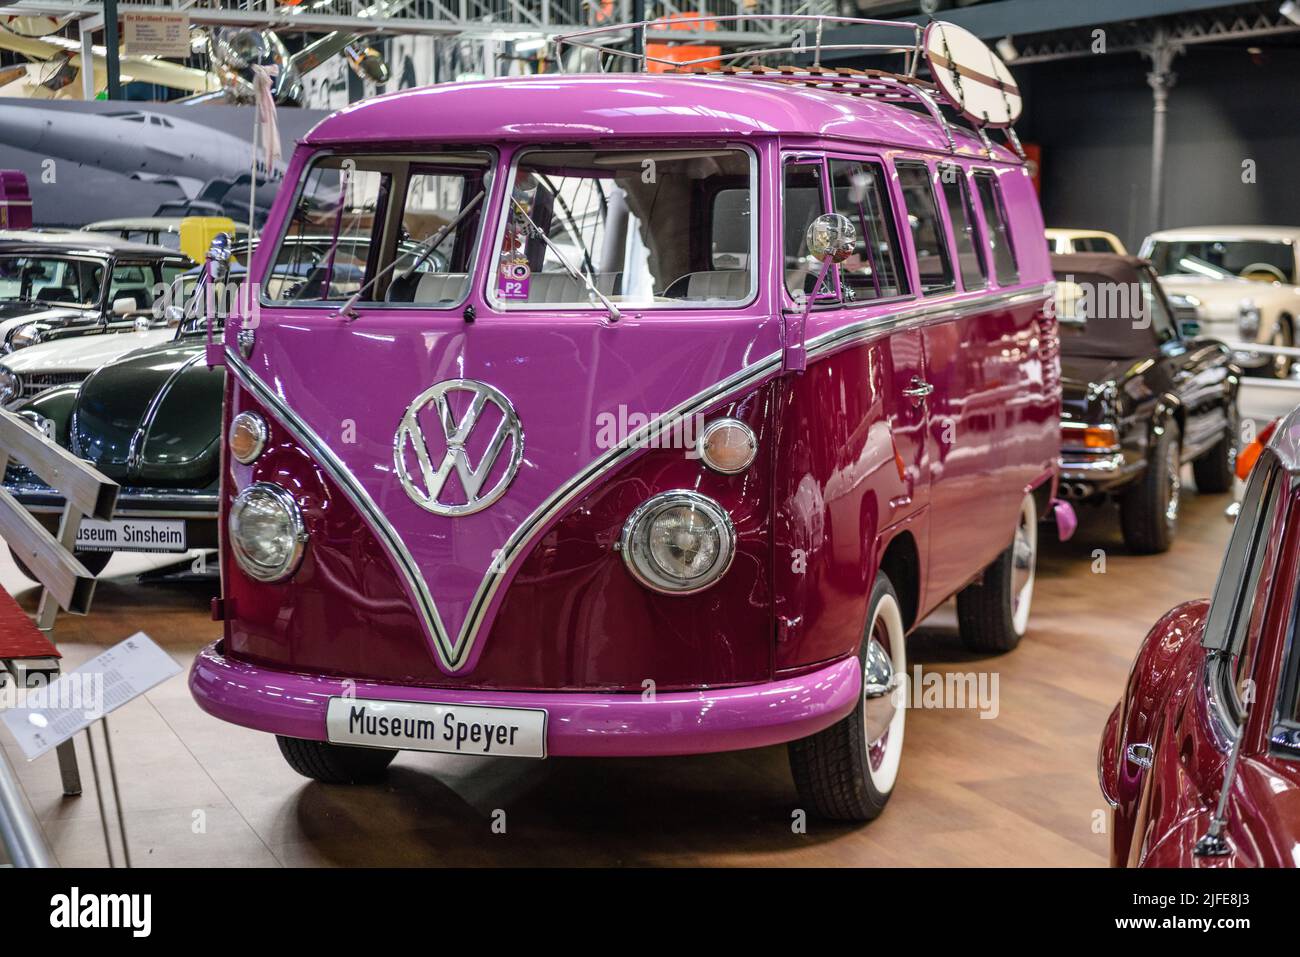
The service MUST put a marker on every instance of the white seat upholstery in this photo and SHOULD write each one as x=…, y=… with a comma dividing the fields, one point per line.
x=555, y=287
x=440, y=287
x=718, y=285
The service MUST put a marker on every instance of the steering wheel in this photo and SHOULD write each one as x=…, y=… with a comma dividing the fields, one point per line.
x=1263, y=272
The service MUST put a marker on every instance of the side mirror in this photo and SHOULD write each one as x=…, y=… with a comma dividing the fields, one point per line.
x=831, y=238
x=125, y=306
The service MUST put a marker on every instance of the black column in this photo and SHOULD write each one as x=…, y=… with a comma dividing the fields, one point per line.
x=111, y=65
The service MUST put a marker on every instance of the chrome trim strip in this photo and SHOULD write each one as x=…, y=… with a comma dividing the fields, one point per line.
x=454, y=654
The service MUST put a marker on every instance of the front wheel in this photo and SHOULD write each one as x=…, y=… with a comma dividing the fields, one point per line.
x=334, y=763
x=847, y=771
x=993, y=613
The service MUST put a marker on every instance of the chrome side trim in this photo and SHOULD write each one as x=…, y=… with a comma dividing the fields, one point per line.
x=453, y=654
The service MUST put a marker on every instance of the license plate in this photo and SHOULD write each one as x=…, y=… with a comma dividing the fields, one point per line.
x=448, y=728
x=131, y=535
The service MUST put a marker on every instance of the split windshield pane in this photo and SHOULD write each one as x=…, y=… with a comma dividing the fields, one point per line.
x=641, y=228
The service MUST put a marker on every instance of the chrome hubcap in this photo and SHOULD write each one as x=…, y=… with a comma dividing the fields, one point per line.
x=878, y=682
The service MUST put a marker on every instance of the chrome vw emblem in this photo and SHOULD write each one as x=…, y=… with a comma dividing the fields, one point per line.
x=462, y=437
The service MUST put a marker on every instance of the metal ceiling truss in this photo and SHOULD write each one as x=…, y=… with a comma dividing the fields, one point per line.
x=1251, y=21
x=468, y=19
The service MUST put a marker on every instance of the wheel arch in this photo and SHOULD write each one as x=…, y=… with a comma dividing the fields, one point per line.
x=901, y=562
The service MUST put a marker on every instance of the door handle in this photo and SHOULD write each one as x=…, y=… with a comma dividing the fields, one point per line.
x=1140, y=754
x=917, y=391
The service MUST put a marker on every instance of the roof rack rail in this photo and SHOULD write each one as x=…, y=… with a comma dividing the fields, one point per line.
x=627, y=45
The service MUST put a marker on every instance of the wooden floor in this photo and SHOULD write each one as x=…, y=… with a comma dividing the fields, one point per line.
x=1015, y=789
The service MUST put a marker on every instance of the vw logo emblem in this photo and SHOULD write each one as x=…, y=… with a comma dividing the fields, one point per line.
x=471, y=444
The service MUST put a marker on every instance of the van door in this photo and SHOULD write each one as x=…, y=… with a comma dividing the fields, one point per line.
x=854, y=426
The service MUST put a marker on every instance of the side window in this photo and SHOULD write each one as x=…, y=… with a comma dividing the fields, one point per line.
x=860, y=192
x=928, y=237
x=435, y=198
x=802, y=202
x=971, y=262
x=995, y=217
x=1153, y=304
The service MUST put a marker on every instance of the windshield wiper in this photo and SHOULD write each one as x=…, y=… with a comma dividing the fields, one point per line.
x=347, y=312
x=614, y=314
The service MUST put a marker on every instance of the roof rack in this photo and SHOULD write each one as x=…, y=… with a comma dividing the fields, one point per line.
x=627, y=45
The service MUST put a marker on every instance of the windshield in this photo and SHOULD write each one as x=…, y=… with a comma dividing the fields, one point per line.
x=50, y=279
x=354, y=214
x=1225, y=259
x=634, y=227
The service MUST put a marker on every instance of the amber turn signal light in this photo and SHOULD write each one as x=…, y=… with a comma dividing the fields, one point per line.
x=248, y=435
x=1094, y=438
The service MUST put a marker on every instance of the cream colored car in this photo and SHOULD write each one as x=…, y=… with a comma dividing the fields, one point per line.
x=1243, y=282
x=1065, y=241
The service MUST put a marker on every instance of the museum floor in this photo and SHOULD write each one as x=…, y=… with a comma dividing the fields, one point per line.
x=1019, y=788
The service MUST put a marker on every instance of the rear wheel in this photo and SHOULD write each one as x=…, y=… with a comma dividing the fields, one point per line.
x=95, y=563
x=334, y=763
x=1148, y=509
x=993, y=613
x=1215, y=470
x=847, y=771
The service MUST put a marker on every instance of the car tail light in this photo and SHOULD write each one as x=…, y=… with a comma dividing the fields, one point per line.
x=1094, y=438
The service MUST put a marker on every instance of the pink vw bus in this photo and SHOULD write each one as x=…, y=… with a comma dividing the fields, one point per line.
x=636, y=414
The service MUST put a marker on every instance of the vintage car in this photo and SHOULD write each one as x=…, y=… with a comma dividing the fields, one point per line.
x=151, y=420
x=28, y=372
x=681, y=439
x=1140, y=398
x=61, y=284
x=1243, y=280
x=1200, y=760
x=1065, y=241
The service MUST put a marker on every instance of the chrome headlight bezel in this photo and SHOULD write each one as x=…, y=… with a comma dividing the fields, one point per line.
x=634, y=543
x=11, y=385
x=298, y=532
x=28, y=335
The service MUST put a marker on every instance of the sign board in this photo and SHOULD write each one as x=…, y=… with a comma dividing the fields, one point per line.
x=48, y=716
x=157, y=34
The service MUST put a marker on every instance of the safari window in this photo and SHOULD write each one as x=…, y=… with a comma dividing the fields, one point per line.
x=971, y=262
x=995, y=218
x=928, y=241
x=872, y=271
x=638, y=228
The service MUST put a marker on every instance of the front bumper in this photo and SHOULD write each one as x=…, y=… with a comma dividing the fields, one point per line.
x=578, y=724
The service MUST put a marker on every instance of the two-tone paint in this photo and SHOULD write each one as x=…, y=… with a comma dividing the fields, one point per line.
x=527, y=602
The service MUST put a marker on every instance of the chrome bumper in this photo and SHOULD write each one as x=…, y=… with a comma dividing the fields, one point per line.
x=1076, y=467
x=131, y=502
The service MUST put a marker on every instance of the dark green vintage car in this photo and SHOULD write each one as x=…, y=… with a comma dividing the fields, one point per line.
x=151, y=421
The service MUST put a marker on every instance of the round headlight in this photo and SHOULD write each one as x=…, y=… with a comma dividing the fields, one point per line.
x=267, y=533
x=678, y=542
x=10, y=385
x=727, y=446
x=248, y=435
